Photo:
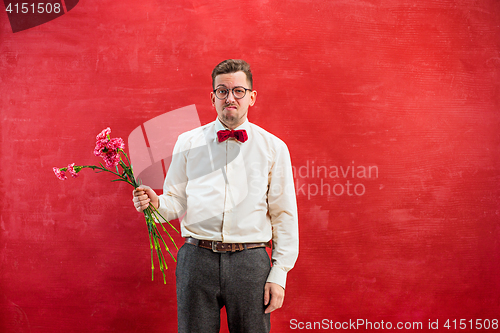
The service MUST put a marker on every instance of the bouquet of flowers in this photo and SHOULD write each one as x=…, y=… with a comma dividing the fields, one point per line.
x=111, y=151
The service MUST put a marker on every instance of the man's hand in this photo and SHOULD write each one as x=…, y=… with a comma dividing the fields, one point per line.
x=274, y=294
x=143, y=196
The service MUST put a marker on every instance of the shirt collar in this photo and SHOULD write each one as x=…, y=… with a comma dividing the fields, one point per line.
x=219, y=127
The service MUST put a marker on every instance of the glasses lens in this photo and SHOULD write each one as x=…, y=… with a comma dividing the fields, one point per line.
x=239, y=92
x=221, y=93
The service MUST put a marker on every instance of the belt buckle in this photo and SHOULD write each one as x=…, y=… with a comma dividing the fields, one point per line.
x=214, y=247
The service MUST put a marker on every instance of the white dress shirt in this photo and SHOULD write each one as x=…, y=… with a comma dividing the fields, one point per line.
x=235, y=192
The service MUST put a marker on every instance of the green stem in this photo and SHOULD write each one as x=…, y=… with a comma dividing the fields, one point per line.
x=102, y=168
x=164, y=219
x=151, y=215
x=169, y=236
x=148, y=224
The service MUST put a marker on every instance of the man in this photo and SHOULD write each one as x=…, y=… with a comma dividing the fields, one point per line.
x=234, y=183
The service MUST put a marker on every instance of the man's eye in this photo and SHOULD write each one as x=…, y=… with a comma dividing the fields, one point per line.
x=222, y=91
x=239, y=91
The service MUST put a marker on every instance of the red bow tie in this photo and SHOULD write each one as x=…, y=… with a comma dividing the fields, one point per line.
x=240, y=135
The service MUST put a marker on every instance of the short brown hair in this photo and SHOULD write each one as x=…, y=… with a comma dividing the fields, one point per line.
x=233, y=66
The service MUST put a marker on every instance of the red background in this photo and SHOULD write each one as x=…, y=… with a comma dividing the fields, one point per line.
x=411, y=87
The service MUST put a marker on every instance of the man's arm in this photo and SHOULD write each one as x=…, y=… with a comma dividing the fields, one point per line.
x=282, y=205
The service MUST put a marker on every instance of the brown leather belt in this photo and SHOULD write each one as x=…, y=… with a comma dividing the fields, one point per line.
x=225, y=247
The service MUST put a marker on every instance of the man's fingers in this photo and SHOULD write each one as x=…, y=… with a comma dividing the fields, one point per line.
x=274, y=295
x=266, y=295
x=139, y=191
x=275, y=304
x=141, y=203
x=141, y=206
x=141, y=199
x=143, y=196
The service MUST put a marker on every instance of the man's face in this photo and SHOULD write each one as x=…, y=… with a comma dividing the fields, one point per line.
x=231, y=111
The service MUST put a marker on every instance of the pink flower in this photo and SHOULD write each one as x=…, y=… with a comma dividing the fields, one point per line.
x=104, y=134
x=108, y=149
x=111, y=159
x=116, y=144
x=59, y=173
x=71, y=169
x=100, y=146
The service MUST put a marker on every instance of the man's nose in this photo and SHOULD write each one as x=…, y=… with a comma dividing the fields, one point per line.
x=230, y=96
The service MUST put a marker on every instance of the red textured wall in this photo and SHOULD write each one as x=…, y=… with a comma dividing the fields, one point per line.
x=406, y=93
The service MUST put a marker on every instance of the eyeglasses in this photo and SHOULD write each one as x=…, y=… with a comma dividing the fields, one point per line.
x=238, y=92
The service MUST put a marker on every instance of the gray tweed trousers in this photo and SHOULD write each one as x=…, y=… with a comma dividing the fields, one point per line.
x=207, y=281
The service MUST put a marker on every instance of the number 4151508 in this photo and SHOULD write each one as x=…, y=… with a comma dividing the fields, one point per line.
x=25, y=8
x=471, y=324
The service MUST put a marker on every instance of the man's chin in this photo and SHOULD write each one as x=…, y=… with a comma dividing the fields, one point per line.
x=229, y=119
x=231, y=122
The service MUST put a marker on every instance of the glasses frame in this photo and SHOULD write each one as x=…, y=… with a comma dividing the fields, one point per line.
x=232, y=91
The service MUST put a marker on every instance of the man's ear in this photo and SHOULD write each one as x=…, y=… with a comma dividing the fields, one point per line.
x=253, y=97
x=212, y=98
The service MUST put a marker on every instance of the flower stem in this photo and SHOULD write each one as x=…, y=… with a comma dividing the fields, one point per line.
x=151, y=214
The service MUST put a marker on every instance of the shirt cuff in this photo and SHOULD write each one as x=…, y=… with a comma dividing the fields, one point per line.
x=278, y=276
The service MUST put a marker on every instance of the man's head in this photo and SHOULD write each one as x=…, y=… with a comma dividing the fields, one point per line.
x=232, y=83
x=233, y=66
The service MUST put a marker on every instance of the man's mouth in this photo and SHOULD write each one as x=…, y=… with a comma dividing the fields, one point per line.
x=230, y=107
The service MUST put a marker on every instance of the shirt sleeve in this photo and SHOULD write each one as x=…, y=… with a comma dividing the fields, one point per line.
x=173, y=200
x=282, y=205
